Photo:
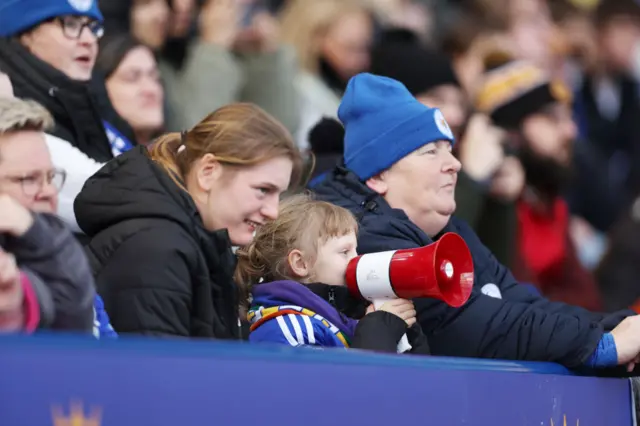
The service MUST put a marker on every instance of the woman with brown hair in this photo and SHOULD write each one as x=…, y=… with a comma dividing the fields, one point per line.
x=163, y=222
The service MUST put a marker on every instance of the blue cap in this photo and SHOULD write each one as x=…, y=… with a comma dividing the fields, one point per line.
x=384, y=123
x=17, y=16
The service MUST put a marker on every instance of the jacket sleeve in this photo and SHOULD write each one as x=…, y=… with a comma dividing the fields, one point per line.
x=470, y=197
x=50, y=251
x=193, y=93
x=514, y=292
x=379, y=331
x=418, y=340
x=293, y=330
x=487, y=327
x=146, y=286
x=30, y=308
x=78, y=167
x=43, y=296
x=270, y=84
x=102, y=327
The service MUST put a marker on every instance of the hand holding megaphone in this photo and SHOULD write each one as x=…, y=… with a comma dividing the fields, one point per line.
x=402, y=308
x=442, y=270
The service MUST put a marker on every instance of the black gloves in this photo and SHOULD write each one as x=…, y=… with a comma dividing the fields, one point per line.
x=381, y=331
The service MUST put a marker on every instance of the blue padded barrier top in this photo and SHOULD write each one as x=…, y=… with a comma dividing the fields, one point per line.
x=60, y=380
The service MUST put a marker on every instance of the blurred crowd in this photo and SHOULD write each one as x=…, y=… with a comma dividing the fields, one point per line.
x=542, y=98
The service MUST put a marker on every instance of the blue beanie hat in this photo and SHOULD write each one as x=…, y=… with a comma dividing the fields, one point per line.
x=384, y=123
x=17, y=16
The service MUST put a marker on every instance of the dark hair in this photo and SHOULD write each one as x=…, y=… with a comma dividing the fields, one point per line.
x=609, y=10
x=467, y=30
x=117, y=16
x=112, y=51
x=327, y=137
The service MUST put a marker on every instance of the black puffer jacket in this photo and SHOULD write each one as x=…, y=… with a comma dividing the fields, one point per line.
x=156, y=267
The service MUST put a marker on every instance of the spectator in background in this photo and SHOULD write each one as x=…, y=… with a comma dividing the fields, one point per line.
x=606, y=107
x=536, y=111
x=180, y=20
x=144, y=20
x=468, y=42
x=53, y=261
x=595, y=197
x=19, y=310
x=133, y=84
x=416, y=16
x=489, y=182
x=48, y=49
x=617, y=273
x=233, y=41
x=151, y=19
x=20, y=306
x=529, y=28
x=163, y=221
x=332, y=39
x=574, y=22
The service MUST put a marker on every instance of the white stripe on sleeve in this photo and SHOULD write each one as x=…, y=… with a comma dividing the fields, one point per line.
x=296, y=328
x=311, y=338
x=285, y=331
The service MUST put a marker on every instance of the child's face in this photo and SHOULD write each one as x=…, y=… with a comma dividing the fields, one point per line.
x=332, y=259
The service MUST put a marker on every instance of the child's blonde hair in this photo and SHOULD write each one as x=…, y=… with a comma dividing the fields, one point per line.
x=303, y=223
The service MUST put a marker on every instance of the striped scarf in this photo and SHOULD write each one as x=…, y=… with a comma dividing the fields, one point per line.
x=258, y=315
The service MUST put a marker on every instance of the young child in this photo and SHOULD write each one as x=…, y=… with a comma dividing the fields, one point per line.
x=295, y=269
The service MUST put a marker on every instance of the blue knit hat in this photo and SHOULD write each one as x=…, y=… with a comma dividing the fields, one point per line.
x=17, y=16
x=384, y=123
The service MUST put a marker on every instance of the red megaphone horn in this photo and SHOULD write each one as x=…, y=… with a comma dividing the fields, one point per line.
x=442, y=270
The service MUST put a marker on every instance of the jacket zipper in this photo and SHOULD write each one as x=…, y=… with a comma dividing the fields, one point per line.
x=332, y=297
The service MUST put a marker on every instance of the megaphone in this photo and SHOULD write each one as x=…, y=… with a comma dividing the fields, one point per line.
x=442, y=270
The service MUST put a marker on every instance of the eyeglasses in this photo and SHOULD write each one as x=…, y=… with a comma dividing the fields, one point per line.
x=33, y=183
x=72, y=26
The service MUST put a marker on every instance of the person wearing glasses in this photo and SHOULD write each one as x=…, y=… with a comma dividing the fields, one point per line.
x=48, y=49
x=42, y=267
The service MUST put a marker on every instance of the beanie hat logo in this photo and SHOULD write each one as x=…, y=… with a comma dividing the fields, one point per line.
x=81, y=5
x=442, y=124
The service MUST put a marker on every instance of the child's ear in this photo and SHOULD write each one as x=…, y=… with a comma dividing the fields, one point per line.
x=298, y=264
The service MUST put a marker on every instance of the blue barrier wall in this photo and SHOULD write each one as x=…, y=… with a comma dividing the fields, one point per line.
x=169, y=383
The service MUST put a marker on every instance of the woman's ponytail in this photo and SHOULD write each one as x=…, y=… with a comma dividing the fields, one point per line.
x=250, y=270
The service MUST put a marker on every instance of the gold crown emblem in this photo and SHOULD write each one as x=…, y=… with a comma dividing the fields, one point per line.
x=564, y=421
x=76, y=416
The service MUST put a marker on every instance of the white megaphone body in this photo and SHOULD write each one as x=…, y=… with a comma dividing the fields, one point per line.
x=442, y=270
